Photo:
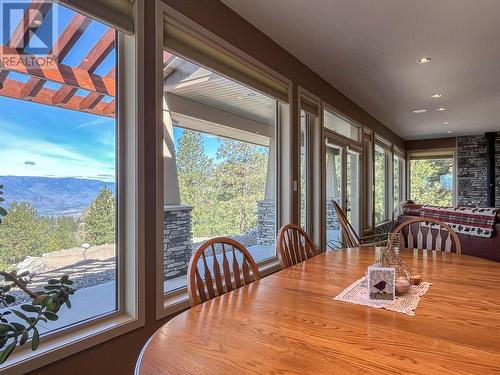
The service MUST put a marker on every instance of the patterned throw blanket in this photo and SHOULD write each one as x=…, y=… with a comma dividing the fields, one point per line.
x=479, y=222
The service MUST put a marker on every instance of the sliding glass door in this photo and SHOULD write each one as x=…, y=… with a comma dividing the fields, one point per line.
x=334, y=192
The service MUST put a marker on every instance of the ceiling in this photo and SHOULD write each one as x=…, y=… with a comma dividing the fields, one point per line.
x=368, y=49
x=203, y=86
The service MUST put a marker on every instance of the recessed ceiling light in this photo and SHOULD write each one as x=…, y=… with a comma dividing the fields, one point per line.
x=419, y=111
x=441, y=109
x=424, y=60
x=252, y=94
x=436, y=96
x=449, y=131
x=446, y=123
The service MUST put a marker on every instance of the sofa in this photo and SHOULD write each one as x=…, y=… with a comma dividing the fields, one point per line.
x=487, y=248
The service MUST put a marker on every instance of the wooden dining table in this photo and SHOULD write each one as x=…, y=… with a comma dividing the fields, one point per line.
x=289, y=323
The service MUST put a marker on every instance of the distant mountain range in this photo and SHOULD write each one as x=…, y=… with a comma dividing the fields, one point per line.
x=53, y=196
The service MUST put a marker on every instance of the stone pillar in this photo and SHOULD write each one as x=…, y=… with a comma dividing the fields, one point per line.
x=177, y=240
x=332, y=221
x=266, y=222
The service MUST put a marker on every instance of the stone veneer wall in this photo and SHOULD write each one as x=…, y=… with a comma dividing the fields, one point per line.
x=332, y=221
x=266, y=215
x=266, y=222
x=471, y=171
x=177, y=240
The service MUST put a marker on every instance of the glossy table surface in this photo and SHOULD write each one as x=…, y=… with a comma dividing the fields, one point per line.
x=288, y=323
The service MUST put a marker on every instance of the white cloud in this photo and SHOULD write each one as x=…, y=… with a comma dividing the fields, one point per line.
x=45, y=157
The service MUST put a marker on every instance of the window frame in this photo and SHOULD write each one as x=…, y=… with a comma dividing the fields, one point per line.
x=389, y=182
x=178, y=300
x=345, y=143
x=331, y=109
x=437, y=153
x=311, y=105
x=130, y=312
x=399, y=159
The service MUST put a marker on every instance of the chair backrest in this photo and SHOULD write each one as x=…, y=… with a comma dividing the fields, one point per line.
x=350, y=236
x=294, y=246
x=226, y=265
x=426, y=234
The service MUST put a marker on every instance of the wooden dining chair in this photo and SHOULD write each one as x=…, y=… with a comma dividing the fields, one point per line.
x=293, y=246
x=425, y=234
x=226, y=265
x=351, y=238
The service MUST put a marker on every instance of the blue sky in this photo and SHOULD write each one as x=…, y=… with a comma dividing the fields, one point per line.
x=40, y=140
x=210, y=142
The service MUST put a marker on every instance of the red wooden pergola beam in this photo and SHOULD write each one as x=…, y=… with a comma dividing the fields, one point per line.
x=93, y=98
x=74, y=77
x=13, y=89
x=109, y=108
x=61, y=48
x=90, y=63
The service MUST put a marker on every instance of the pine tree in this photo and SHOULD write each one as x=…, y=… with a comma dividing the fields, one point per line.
x=195, y=172
x=99, y=220
x=21, y=234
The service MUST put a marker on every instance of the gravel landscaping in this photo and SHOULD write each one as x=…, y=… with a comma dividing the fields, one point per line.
x=94, y=266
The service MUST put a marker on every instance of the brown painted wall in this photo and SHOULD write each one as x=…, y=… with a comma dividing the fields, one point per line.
x=118, y=356
x=429, y=144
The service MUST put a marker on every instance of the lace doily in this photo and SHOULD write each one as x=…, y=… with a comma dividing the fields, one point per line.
x=407, y=304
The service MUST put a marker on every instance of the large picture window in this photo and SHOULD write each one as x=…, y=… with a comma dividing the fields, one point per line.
x=59, y=162
x=219, y=165
x=431, y=178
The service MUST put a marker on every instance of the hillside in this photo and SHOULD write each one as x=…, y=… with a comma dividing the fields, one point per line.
x=53, y=196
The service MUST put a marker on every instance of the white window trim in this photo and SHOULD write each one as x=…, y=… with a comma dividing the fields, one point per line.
x=178, y=300
x=130, y=313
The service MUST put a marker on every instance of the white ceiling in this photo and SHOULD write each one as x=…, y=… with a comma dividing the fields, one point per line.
x=198, y=84
x=368, y=50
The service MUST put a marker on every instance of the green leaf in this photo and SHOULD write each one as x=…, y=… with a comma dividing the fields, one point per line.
x=35, y=340
x=4, y=327
x=30, y=308
x=3, y=341
x=10, y=299
x=24, y=338
x=18, y=326
x=68, y=303
x=41, y=300
x=21, y=315
x=53, y=281
x=64, y=279
x=50, y=315
x=4, y=354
